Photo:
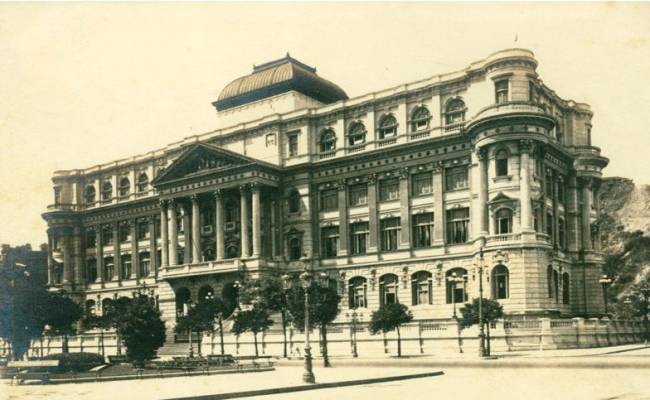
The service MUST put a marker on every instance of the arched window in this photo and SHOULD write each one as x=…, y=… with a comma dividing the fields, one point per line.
x=556, y=285
x=388, y=289
x=90, y=307
x=232, y=251
x=455, y=111
x=356, y=134
x=501, y=162
x=566, y=288
x=294, y=201
x=183, y=299
x=91, y=270
x=295, y=249
x=357, y=289
x=420, y=119
x=327, y=141
x=503, y=221
x=143, y=182
x=421, y=288
x=387, y=127
x=107, y=191
x=89, y=194
x=500, y=282
x=549, y=279
x=107, y=306
x=206, y=293
x=456, y=280
x=125, y=186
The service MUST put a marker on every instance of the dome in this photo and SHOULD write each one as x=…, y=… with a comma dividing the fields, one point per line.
x=276, y=77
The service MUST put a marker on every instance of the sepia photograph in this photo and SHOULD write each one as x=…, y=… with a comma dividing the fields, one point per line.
x=315, y=200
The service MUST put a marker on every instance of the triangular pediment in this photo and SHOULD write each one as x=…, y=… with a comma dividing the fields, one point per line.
x=501, y=198
x=200, y=159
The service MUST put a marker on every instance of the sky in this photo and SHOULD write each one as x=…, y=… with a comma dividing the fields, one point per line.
x=89, y=83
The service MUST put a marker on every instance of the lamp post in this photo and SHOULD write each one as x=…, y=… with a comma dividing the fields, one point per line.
x=604, y=282
x=190, y=305
x=353, y=333
x=481, y=334
x=454, y=279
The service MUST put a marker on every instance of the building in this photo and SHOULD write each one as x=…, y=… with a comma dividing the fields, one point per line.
x=391, y=193
x=24, y=262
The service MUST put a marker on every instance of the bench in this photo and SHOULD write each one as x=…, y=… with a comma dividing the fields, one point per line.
x=33, y=370
x=254, y=360
x=117, y=359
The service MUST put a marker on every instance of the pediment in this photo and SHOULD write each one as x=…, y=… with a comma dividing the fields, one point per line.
x=201, y=159
x=501, y=198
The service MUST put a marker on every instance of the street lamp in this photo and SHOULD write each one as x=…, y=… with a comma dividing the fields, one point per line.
x=353, y=333
x=190, y=306
x=454, y=279
x=604, y=282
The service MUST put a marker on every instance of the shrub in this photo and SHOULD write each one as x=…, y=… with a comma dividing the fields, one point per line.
x=77, y=362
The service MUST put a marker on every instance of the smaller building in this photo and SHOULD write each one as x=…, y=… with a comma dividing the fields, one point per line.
x=34, y=260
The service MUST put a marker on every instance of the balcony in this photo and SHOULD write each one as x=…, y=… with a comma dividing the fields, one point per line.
x=510, y=107
x=64, y=207
x=454, y=128
x=506, y=237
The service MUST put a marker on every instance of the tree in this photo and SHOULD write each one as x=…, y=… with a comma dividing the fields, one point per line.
x=254, y=320
x=113, y=312
x=61, y=314
x=22, y=310
x=142, y=330
x=323, y=309
x=268, y=293
x=91, y=321
x=201, y=318
x=390, y=317
x=492, y=311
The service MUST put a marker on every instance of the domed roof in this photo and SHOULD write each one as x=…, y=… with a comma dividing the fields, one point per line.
x=275, y=77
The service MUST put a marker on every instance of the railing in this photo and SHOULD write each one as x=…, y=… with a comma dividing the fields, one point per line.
x=432, y=326
x=524, y=324
x=561, y=323
x=329, y=154
x=506, y=237
x=64, y=207
x=420, y=135
x=386, y=142
x=454, y=128
x=510, y=107
x=357, y=148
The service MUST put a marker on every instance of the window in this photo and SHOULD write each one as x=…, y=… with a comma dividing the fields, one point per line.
x=295, y=249
x=549, y=280
x=561, y=233
x=456, y=178
x=107, y=191
x=327, y=141
x=455, y=111
x=91, y=270
x=457, y=225
x=270, y=140
x=422, y=230
x=357, y=289
x=549, y=225
x=588, y=128
x=503, y=221
x=548, y=183
x=294, y=201
x=500, y=282
x=107, y=235
x=358, y=195
x=422, y=184
x=501, y=163
x=420, y=119
x=143, y=230
x=421, y=288
x=109, y=268
x=124, y=233
x=330, y=241
x=143, y=182
x=358, y=238
x=501, y=91
x=293, y=144
x=329, y=199
x=89, y=194
x=387, y=127
x=125, y=186
x=388, y=289
x=145, y=264
x=127, y=269
x=388, y=189
x=456, y=282
x=91, y=238
x=566, y=288
x=356, y=134
x=231, y=209
x=390, y=231
x=556, y=286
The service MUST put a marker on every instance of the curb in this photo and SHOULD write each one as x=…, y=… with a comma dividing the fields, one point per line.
x=302, y=388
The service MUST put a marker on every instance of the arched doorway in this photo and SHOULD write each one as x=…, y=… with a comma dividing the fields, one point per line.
x=183, y=298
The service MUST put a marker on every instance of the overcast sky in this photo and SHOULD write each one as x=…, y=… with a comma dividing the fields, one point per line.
x=82, y=84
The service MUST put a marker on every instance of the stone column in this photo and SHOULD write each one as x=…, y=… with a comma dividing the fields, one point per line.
x=243, y=197
x=344, y=241
x=173, y=233
x=556, y=228
x=117, y=257
x=79, y=256
x=483, y=227
x=50, y=261
x=373, y=217
x=196, y=231
x=257, y=222
x=164, y=234
x=218, y=218
x=135, y=255
x=67, y=259
x=586, y=215
x=153, y=248
x=273, y=226
x=438, y=206
x=99, y=254
x=187, y=236
x=573, y=224
x=524, y=189
x=405, y=211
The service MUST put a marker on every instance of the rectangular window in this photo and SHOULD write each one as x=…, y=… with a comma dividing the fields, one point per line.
x=549, y=225
x=91, y=239
x=358, y=238
x=358, y=195
x=561, y=233
x=293, y=144
x=549, y=185
x=560, y=192
x=390, y=232
x=422, y=230
x=388, y=189
x=456, y=178
x=330, y=241
x=501, y=89
x=143, y=230
x=422, y=184
x=457, y=225
x=270, y=140
x=107, y=235
x=329, y=199
x=124, y=232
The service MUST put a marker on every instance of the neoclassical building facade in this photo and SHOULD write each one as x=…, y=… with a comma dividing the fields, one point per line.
x=399, y=195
